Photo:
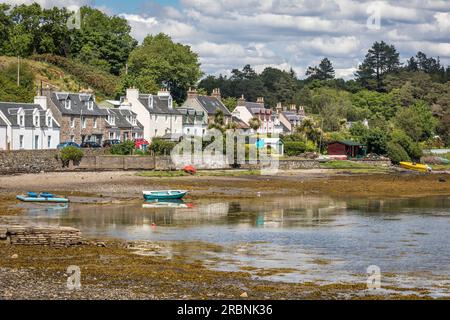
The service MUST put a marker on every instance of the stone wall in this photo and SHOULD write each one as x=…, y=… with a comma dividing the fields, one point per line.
x=45, y=236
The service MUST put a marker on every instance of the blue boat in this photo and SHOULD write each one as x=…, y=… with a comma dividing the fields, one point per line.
x=164, y=195
x=42, y=197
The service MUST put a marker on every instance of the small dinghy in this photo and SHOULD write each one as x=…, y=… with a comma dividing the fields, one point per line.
x=164, y=195
x=42, y=197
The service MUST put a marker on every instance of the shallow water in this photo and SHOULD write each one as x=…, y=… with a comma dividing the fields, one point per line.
x=310, y=238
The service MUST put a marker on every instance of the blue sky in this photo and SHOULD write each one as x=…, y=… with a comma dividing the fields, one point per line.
x=132, y=6
x=285, y=34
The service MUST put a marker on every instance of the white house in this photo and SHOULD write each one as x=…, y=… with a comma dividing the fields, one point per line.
x=27, y=126
x=245, y=111
x=156, y=113
x=194, y=123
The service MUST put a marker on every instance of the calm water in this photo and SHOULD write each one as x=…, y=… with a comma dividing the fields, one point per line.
x=318, y=238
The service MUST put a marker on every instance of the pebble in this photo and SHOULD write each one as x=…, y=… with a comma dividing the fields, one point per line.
x=15, y=256
x=244, y=295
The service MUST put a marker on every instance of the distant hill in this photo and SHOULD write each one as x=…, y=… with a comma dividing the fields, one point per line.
x=66, y=75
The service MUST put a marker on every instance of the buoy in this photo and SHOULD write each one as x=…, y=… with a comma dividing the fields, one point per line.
x=190, y=169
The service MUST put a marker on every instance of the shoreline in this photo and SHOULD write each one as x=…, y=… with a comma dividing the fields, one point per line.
x=112, y=270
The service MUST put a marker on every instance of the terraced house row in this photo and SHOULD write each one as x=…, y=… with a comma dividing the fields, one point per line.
x=56, y=117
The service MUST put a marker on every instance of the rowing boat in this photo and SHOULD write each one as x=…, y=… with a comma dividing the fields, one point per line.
x=164, y=194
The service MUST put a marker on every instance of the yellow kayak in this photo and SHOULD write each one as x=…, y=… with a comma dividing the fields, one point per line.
x=415, y=166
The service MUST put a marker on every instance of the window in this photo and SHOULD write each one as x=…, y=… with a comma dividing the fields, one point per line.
x=21, y=141
x=90, y=105
x=84, y=122
x=36, y=142
x=36, y=121
x=72, y=122
x=22, y=120
x=72, y=138
x=134, y=135
x=112, y=119
x=49, y=142
x=167, y=119
x=67, y=104
x=49, y=121
x=95, y=122
x=112, y=136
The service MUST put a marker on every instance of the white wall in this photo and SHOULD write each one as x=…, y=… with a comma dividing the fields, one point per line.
x=3, y=142
x=29, y=138
x=142, y=114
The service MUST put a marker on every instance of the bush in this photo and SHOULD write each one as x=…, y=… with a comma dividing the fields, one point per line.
x=123, y=148
x=396, y=153
x=294, y=148
x=71, y=153
x=162, y=147
x=413, y=149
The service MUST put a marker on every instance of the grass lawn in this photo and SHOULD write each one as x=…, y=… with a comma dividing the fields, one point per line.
x=352, y=166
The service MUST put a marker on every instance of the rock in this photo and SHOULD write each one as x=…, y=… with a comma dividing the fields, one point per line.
x=15, y=256
x=244, y=295
x=442, y=180
x=101, y=244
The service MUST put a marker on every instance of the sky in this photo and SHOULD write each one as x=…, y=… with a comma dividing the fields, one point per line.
x=285, y=34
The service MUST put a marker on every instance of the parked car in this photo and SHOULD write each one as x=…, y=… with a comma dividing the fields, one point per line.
x=141, y=143
x=68, y=144
x=109, y=143
x=90, y=145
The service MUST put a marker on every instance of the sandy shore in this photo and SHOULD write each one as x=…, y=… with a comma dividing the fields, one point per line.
x=128, y=185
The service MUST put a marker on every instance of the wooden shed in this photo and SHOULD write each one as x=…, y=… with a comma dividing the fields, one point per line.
x=347, y=148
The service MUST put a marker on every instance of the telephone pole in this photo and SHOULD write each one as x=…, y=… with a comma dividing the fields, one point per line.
x=18, y=71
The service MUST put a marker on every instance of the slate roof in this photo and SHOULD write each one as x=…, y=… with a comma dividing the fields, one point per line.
x=190, y=114
x=348, y=143
x=121, y=120
x=2, y=123
x=160, y=104
x=256, y=107
x=239, y=123
x=10, y=109
x=291, y=116
x=78, y=106
x=212, y=104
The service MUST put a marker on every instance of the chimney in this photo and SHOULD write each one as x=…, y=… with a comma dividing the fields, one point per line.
x=216, y=94
x=132, y=94
x=301, y=110
x=293, y=107
x=241, y=101
x=163, y=92
x=260, y=100
x=192, y=93
x=279, y=108
x=42, y=101
x=125, y=104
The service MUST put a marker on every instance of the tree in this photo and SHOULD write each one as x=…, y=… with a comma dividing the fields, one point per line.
x=324, y=71
x=230, y=103
x=380, y=60
x=417, y=121
x=254, y=123
x=165, y=63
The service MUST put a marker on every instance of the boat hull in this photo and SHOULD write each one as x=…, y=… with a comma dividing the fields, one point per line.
x=42, y=200
x=415, y=167
x=164, y=195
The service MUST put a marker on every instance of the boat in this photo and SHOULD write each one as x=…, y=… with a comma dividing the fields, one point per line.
x=415, y=166
x=164, y=194
x=42, y=197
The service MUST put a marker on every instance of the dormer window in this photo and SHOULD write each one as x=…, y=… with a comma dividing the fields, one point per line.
x=90, y=105
x=111, y=120
x=67, y=104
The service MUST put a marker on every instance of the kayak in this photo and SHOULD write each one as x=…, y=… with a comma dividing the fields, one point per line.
x=415, y=166
x=164, y=195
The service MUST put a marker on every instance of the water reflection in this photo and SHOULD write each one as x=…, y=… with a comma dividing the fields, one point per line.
x=319, y=237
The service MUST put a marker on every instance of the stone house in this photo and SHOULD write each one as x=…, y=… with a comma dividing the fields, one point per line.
x=79, y=116
x=156, y=113
x=245, y=111
x=209, y=105
x=28, y=126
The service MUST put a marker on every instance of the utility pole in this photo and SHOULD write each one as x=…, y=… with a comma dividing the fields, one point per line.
x=18, y=71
